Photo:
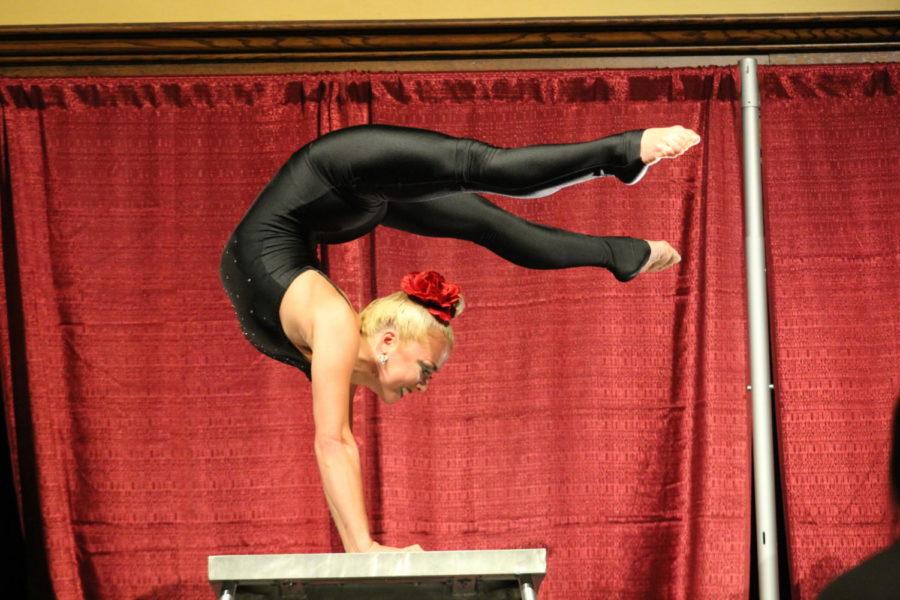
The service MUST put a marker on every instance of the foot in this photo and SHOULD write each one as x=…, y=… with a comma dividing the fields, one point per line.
x=662, y=256
x=666, y=142
x=629, y=257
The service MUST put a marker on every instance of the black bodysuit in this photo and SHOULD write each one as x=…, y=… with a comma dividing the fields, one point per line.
x=340, y=186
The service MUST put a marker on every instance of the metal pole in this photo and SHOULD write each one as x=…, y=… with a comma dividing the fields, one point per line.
x=526, y=590
x=758, y=326
x=229, y=590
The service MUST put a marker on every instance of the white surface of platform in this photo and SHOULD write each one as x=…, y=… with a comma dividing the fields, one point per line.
x=377, y=565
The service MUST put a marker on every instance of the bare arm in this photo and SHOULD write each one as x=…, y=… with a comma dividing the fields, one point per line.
x=318, y=315
x=335, y=343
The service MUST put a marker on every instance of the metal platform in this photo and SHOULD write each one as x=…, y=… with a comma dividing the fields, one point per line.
x=466, y=574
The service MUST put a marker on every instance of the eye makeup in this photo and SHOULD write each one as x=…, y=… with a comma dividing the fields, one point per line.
x=427, y=370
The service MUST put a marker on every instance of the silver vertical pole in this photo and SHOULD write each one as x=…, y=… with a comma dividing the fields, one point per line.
x=526, y=590
x=758, y=326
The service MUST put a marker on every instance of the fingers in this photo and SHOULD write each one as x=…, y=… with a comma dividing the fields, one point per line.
x=376, y=547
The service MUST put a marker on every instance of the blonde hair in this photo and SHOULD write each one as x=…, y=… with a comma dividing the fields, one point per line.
x=411, y=320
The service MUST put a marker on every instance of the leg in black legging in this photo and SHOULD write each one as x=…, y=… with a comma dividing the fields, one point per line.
x=539, y=170
x=414, y=165
x=469, y=216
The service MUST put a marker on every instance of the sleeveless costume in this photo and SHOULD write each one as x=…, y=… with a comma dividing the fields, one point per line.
x=340, y=186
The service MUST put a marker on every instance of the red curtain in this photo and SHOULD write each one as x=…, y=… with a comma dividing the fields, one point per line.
x=830, y=142
x=605, y=422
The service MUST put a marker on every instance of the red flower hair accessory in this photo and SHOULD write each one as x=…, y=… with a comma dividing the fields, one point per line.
x=436, y=294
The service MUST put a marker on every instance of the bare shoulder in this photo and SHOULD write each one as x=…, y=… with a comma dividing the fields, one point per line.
x=311, y=300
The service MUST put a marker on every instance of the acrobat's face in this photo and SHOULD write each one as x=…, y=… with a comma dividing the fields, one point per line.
x=410, y=364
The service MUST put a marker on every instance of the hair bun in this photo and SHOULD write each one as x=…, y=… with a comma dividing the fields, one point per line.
x=439, y=297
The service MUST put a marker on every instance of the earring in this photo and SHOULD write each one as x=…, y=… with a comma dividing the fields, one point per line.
x=382, y=358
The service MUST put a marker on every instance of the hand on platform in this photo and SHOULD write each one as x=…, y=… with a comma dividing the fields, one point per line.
x=376, y=547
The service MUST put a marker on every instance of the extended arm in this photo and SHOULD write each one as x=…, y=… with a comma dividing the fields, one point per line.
x=335, y=343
